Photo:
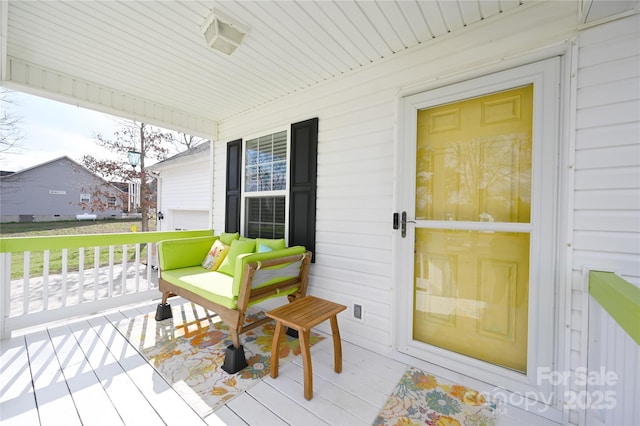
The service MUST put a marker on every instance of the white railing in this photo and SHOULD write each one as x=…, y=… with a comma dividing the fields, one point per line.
x=123, y=271
x=613, y=366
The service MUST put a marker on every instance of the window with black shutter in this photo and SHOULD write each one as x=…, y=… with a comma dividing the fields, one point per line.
x=271, y=185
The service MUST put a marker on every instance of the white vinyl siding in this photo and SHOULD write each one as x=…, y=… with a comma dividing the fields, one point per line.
x=356, y=152
x=185, y=197
x=607, y=157
x=606, y=221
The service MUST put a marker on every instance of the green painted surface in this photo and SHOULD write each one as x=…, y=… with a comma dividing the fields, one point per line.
x=619, y=298
x=16, y=245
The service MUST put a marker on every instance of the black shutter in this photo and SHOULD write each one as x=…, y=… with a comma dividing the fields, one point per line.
x=302, y=193
x=234, y=186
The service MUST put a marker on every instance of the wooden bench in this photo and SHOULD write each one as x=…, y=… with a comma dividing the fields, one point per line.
x=258, y=276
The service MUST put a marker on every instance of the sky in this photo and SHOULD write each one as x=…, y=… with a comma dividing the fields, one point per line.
x=53, y=129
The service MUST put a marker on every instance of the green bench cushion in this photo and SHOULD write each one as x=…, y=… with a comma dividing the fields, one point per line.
x=211, y=285
x=180, y=265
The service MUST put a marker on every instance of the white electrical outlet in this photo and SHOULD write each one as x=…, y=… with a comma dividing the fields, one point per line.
x=358, y=312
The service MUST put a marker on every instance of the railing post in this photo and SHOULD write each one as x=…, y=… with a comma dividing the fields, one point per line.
x=5, y=302
x=613, y=351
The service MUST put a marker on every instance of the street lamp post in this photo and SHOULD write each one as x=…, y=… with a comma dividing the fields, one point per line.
x=134, y=160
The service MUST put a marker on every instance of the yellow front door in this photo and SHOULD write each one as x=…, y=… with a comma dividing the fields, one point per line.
x=471, y=280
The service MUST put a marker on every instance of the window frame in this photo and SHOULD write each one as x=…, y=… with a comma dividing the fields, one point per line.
x=303, y=184
x=244, y=194
x=112, y=201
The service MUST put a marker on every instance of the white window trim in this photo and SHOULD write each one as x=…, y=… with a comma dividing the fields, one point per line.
x=256, y=194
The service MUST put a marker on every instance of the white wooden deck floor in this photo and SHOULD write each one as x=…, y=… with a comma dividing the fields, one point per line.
x=85, y=372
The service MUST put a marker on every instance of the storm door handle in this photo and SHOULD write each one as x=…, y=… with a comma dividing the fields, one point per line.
x=404, y=224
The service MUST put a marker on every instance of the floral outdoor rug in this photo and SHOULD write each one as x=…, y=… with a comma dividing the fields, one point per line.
x=190, y=355
x=422, y=399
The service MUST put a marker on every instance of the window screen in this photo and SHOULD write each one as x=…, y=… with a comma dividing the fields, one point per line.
x=265, y=186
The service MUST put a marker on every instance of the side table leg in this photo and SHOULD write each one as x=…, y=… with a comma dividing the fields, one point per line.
x=275, y=350
x=337, y=345
x=306, y=363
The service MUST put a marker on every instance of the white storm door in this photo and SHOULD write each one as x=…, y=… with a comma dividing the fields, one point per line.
x=478, y=188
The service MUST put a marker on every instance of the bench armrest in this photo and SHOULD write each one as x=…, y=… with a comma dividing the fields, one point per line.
x=244, y=260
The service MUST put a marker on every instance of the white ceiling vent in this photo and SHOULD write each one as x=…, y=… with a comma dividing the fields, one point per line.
x=222, y=32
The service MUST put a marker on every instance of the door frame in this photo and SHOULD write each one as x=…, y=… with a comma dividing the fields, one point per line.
x=546, y=336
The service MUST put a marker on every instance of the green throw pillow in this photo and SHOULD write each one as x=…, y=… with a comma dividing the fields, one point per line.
x=237, y=248
x=228, y=237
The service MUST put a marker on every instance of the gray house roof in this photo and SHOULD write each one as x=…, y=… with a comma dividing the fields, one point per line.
x=75, y=163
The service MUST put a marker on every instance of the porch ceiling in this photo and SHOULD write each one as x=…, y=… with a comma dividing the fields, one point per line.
x=148, y=59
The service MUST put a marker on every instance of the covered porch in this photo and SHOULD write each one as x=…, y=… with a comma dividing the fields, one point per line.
x=351, y=66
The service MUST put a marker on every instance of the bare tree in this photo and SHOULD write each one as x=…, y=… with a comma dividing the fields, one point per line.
x=10, y=123
x=183, y=140
x=151, y=142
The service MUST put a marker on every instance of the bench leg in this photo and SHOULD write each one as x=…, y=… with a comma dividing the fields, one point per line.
x=234, y=359
x=235, y=337
x=163, y=312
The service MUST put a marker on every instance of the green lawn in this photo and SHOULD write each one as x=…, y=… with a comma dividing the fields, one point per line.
x=35, y=229
x=70, y=227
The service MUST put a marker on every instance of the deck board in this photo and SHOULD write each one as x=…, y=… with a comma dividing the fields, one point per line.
x=131, y=404
x=320, y=405
x=52, y=394
x=86, y=372
x=159, y=394
x=368, y=378
x=344, y=407
x=86, y=389
x=282, y=406
x=17, y=399
x=224, y=416
x=252, y=412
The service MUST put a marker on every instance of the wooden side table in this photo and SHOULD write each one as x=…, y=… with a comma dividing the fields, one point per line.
x=302, y=315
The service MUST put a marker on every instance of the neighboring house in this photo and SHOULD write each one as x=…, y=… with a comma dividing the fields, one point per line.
x=457, y=189
x=59, y=189
x=184, y=194
x=132, y=194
